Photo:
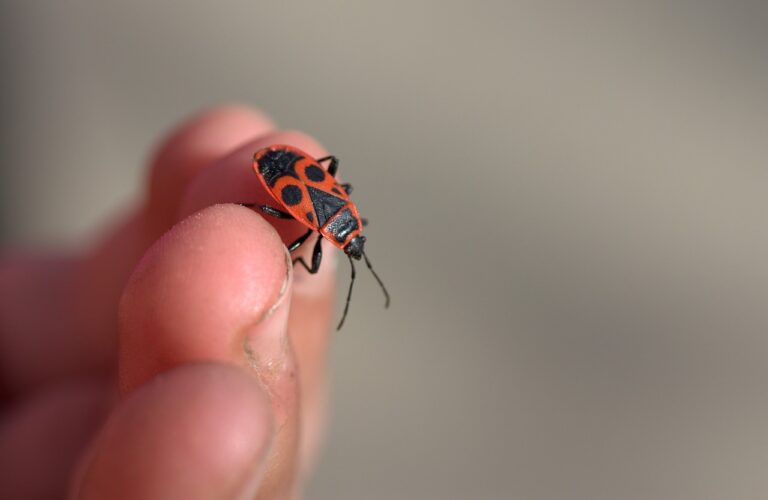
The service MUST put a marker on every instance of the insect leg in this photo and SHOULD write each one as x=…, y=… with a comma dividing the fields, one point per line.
x=334, y=165
x=317, y=256
x=275, y=212
x=268, y=210
x=364, y=221
x=347, y=187
x=299, y=241
x=349, y=294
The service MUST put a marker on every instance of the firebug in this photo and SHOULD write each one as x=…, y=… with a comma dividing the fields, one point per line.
x=309, y=194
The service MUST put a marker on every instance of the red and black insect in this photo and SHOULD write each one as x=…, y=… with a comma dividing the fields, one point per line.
x=310, y=195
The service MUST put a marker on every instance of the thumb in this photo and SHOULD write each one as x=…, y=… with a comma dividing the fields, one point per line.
x=203, y=430
x=216, y=288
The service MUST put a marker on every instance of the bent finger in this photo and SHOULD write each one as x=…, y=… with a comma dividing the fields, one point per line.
x=217, y=288
x=196, y=432
x=57, y=313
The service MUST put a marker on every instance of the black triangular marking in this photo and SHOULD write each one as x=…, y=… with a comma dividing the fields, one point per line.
x=326, y=205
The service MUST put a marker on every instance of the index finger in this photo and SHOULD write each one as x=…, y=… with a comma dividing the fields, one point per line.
x=58, y=312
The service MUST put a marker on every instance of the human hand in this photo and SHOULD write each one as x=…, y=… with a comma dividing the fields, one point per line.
x=173, y=359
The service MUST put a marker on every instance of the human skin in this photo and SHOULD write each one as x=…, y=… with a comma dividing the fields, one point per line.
x=180, y=356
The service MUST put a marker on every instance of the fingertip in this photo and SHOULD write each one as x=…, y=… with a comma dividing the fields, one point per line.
x=217, y=287
x=203, y=430
x=196, y=291
x=193, y=145
x=301, y=140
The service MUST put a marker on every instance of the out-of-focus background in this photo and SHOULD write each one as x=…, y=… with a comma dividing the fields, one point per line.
x=568, y=202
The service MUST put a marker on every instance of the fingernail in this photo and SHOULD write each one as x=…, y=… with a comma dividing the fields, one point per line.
x=266, y=344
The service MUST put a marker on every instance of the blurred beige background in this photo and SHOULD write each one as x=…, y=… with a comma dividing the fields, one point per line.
x=568, y=202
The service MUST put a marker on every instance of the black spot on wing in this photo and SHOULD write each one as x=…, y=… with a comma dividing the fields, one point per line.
x=291, y=195
x=343, y=225
x=277, y=163
x=326, y=205
x=335, y=190
x=310, y=217
x=314, y=173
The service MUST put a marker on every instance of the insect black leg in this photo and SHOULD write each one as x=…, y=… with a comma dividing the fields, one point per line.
x=364, y=221
x=317, y=256
x=333, y=167
x=299, y=241
x=347, y=187
x=275, y=212
x=349, y=294
x=268, y=210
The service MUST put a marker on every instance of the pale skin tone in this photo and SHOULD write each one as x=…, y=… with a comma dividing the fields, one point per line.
x=179, y=356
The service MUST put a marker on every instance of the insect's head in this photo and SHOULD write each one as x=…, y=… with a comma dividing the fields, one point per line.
x=355, y=247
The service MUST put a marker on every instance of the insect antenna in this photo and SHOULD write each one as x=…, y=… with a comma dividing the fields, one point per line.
x=349, y=294
x=383, y=288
